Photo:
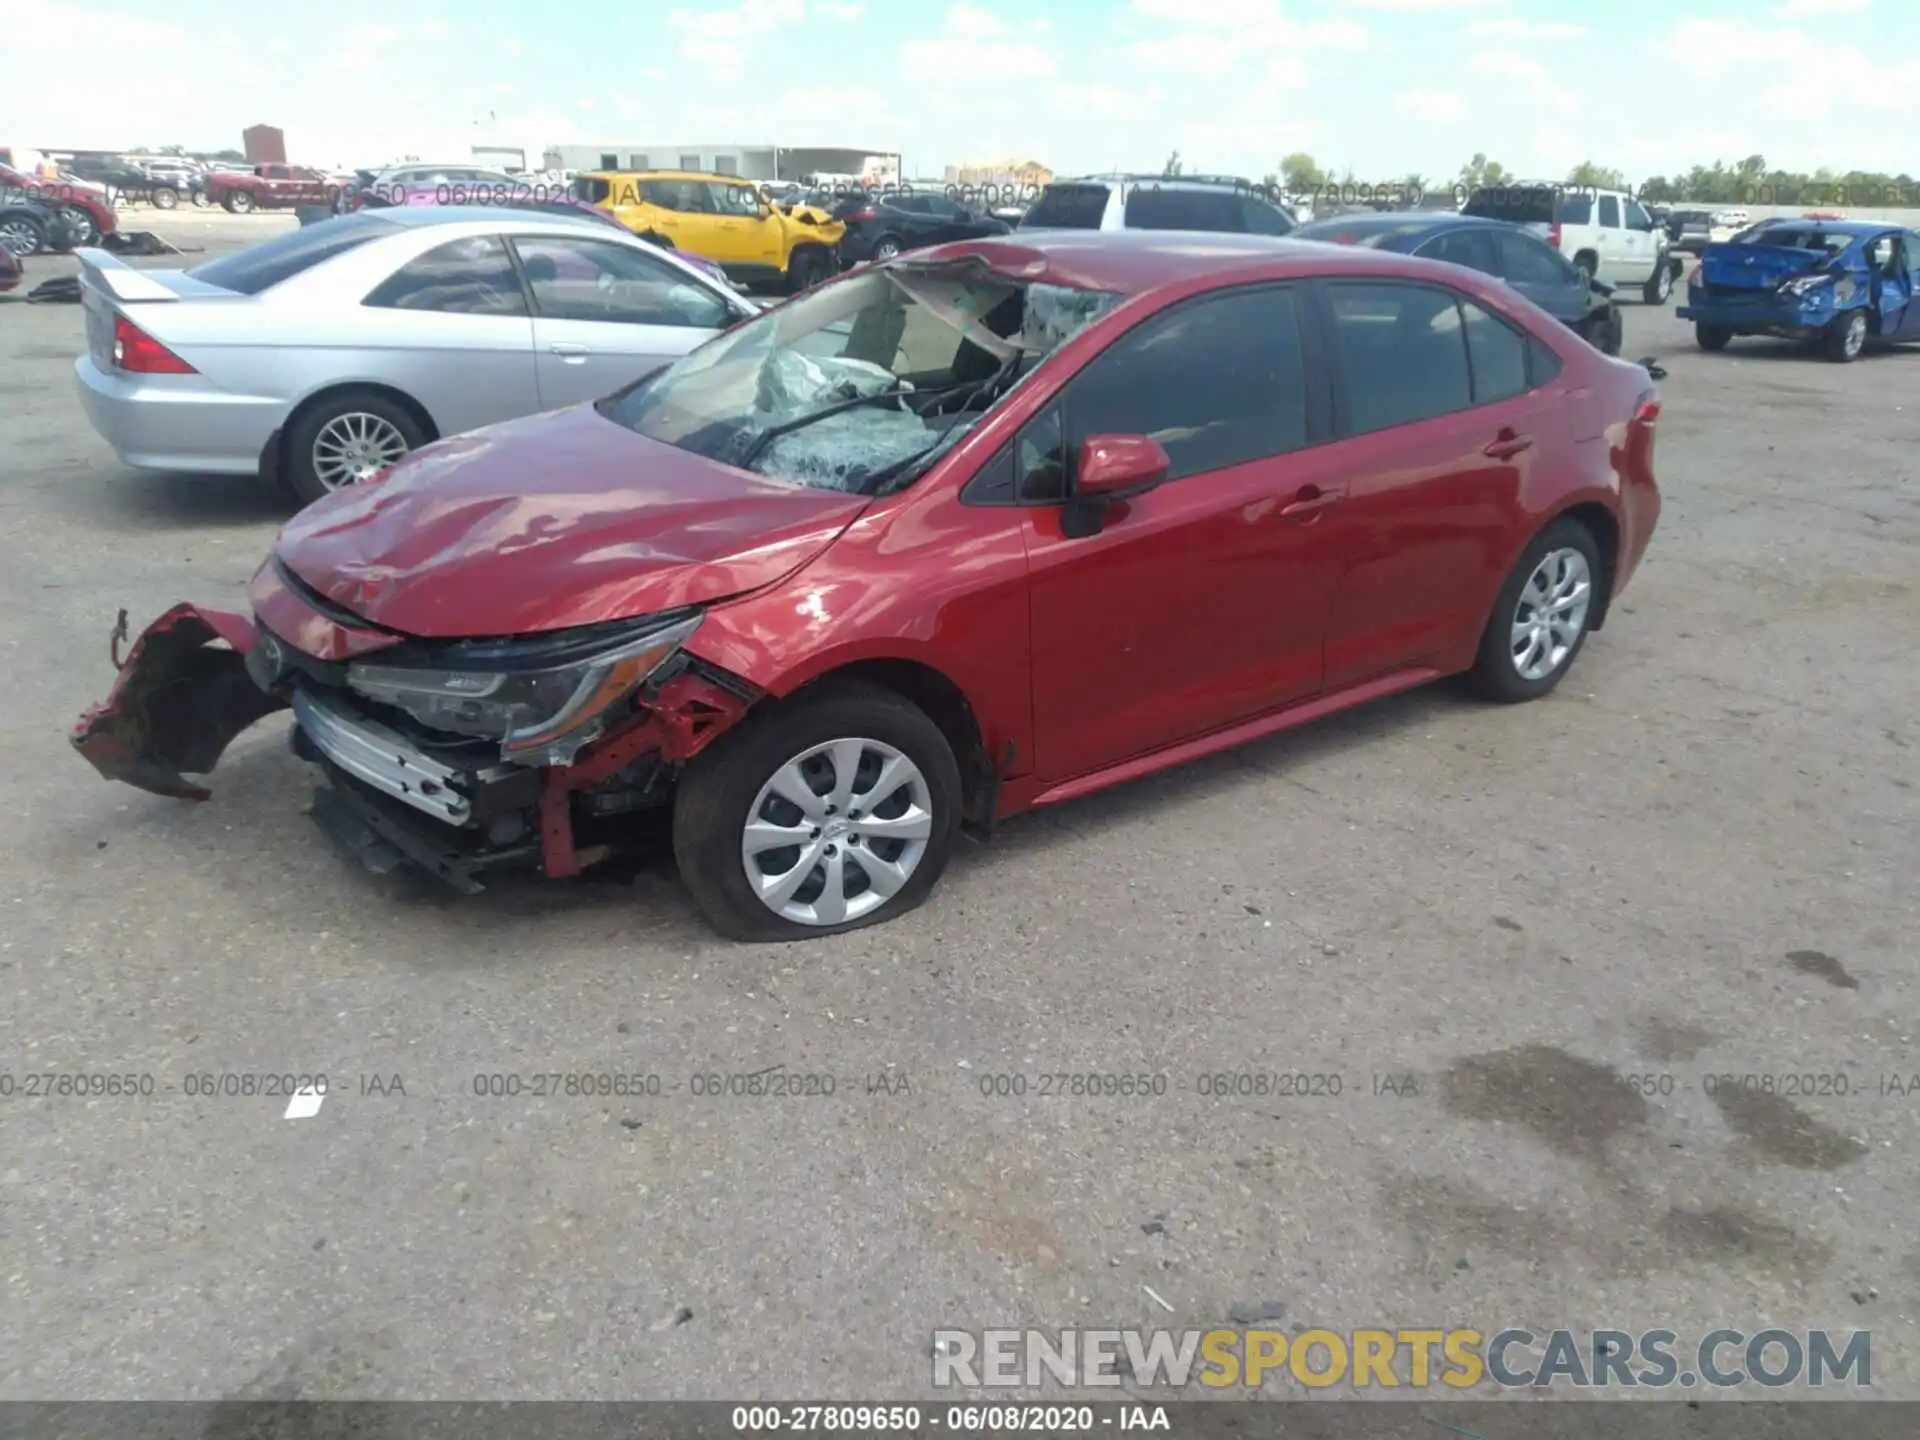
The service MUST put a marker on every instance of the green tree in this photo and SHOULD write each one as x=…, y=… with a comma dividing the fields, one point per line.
x=1301, y=174
x=1173, y=165
x=1480, y=171
x=1596, y=177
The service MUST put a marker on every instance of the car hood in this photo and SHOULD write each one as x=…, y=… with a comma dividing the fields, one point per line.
x=561, y=519
x=1758, y=267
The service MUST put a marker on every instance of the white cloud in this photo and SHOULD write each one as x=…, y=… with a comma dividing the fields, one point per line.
x=717, y=59
x=843, y=12
x=1530, y=81
x=1404, y=6
x=1187, y=53
x=1254, y=24
x=744, y=21
x=970, y=52
x=1288, y=72
x=1434, y=107
x=1823, y=7
x=973, y=22
x=1526, y=29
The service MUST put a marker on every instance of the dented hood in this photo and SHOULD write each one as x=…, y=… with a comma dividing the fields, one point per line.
x=561, y=519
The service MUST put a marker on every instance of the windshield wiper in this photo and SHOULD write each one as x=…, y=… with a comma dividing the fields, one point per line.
x=786, y=427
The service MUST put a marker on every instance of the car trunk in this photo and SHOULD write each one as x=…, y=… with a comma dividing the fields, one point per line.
x=1755, y=267
x=109, y=288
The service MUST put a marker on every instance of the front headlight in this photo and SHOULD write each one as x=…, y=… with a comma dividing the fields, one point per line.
x=541, y=696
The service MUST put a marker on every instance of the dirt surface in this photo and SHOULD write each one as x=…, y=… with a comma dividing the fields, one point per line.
x=1548, y=924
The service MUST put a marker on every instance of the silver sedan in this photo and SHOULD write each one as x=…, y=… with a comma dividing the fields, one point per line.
x=327, y=353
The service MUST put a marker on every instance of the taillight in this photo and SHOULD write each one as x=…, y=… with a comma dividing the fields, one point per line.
x=139, y=353
x=860, y=215
x=1647, y=411
x=1553, y=235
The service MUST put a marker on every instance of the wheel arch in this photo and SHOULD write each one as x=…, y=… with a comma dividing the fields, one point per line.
x=1604, y=526
x=308, y=403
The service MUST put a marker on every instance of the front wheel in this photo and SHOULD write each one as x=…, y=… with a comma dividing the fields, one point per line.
x=1847, y=336
x=807, y=268
x=84, y=231
x=1540, y=620
x=1711, y=337
x=1659, y=286
x=825, y=814
x=885, y=249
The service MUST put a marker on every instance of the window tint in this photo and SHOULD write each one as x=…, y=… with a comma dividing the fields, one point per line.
x=260, y=267
x=1068, y=207
x=1149, y=208
x=1498, y=354
x=992, y=483
x=1637, y=216
x=1217, y=382
x=689, y=196
x=1260, y=218
x=1403, y=352
x=1040, y=461
x=1520, y=204
x=1575, y=210
x=1525, y=261
x=464, y=277
x=736, y=200
x=1610, y=211
x=599, y=280
x=1542, y=363
x=910, y=204
x=1472, y=248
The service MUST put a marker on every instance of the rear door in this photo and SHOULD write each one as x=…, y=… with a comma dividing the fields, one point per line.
x=1439, y=428
x=745, y=227
x=1467, y=245
x=1543, y=275
x=605, y=313
x=454, y=332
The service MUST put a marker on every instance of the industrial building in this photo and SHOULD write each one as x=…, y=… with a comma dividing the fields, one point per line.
x=749, y=162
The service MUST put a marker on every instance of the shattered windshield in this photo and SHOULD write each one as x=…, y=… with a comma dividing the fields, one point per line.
x=1794, y=239
x=864, y=383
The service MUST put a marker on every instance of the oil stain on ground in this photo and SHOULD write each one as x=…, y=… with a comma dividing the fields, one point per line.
x=1668, y=1041
x=1783, y=1131
x=1572, y=1105
x=1823, y=966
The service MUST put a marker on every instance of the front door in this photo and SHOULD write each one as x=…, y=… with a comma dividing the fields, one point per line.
x=1543, y=275
x=605, y=313
x=1614, y=242
x=1204, y=601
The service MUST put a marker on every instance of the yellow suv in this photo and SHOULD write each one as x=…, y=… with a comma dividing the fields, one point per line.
x=723, y=218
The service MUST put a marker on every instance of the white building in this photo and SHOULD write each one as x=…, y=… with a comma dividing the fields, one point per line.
x=749, y=162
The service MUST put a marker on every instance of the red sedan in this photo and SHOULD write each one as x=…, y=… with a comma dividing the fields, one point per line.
x=84, y=204
x=941, y=541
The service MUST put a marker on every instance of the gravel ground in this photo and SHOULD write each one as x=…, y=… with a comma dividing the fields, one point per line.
x=1686, y=862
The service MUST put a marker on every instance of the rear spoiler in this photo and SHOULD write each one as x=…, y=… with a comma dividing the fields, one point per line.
x=111, y=275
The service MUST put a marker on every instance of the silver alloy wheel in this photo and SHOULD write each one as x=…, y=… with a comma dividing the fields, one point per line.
x=885, y=251
x=19, y=236
x=1665, y=287
x=355, y=446
x=1551, y=613
x=85, y=232
x=1855, y=338
x=837, y=831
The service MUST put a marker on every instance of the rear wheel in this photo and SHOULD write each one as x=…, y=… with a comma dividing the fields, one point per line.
x=347, y=438
x=1540, y=620
x=1711, y=337
x=165, y=197
x=1659, y=286
x=85, y=231
x=885, y=249
x=238, y=202
x=1847, y=336
x=831, y=812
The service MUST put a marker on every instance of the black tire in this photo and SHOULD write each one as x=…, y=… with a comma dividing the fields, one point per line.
x=1711, y=337
x=237, y=202
x=25, y=235
x=165, y=197
x=85, y=231
x=1846, y=337
x=711, y=804
x=1495, y=674
x=1588, y=264
x=890, y=244
x=807, y=267
x=297, y=467
x=1659, y=287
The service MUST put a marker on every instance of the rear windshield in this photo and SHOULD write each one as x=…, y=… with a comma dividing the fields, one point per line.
x=1347, y=232
x=1068, y=207
x=1151, y=208
x=1521, y=204
x=1793, y=239
x=261, y=267
x=591, y=189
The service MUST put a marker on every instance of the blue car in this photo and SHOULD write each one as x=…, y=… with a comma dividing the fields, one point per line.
x=1493, y=247
x=1838, y=285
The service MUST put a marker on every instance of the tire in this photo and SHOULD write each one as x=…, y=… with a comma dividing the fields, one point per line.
x=807, y=267
x=85, y=231
x=1846, y=337
x=23, y=234
x=165, y=197
x=1711, y=337
x=237, y=202
x=1659, y=286
x=886, y=248
x=1563, y=554
x=721, y=788
x=304, y=475
x=1588, y=264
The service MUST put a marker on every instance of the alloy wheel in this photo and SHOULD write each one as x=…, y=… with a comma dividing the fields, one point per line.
x=85, y=232
x=355, y=446
x=19, y=237
x=1855, y=339
x=837, y=831
x=885, y=251
x=1551, y=613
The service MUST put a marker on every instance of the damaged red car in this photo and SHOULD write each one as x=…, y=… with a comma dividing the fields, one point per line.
x=938, y=542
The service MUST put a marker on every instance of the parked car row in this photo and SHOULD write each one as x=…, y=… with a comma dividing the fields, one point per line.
x=85, y=208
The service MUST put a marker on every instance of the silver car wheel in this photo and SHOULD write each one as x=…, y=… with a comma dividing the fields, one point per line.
x=1855, y=339
x=837, y=832
x=85, y=232
x=885, y=251
x=355, y=446
x=19, y=237
x=1551, y=614
x=1663, y=287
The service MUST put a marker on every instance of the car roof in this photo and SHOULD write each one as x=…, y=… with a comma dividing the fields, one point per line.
x=1131, y=262
x=1168, y=182
x=1858, y=229
x=667, y=175
x=415, y=216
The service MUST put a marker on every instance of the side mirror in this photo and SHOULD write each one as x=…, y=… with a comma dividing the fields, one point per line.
x=1112, y=469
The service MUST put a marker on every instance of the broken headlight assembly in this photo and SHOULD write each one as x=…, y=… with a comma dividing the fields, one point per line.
x=542, y=697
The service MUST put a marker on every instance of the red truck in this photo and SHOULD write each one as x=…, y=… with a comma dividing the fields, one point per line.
x=269, y=187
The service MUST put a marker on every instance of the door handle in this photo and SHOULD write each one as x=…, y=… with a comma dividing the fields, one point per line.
x=1507, y=445
x=1311, y=500
x=568, y=351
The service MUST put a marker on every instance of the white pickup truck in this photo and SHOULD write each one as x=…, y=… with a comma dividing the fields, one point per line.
x=1605, y=233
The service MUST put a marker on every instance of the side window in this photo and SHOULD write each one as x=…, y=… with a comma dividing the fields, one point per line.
x=1637, y=217
x=600, y=280
x=1149, y=207
x=1526, y=261
x=1610, y=212
x=1575, y=210
x=1469, y=247
x=1217, y=382
x=992, y=483
x=1403, y=352
x=463, y=277
x=1497, y=354
x=911, y=204
x=734, y=200
x=1260, y=218
x=1542, y=363
x=1040, y=461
